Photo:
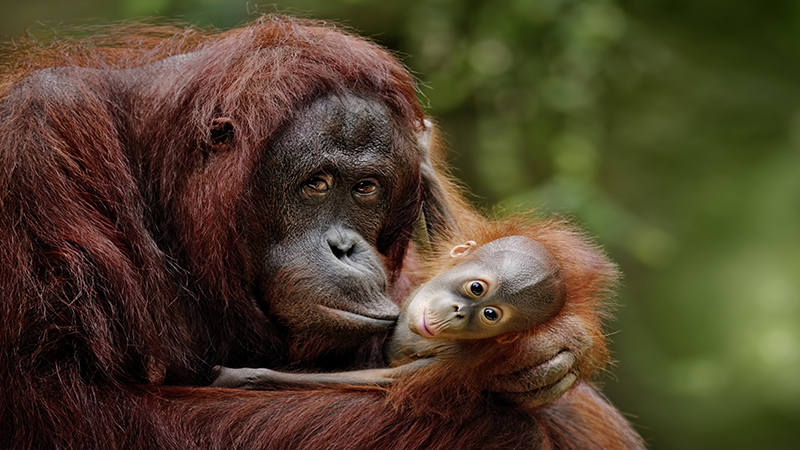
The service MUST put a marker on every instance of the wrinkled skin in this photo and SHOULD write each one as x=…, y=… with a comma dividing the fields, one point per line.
x=319, y=263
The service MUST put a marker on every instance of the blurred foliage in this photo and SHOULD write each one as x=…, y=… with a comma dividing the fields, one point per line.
x=671, y=128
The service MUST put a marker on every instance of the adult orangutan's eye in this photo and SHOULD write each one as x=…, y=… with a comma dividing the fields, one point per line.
x=318, y=184
x=475, y=288
x=366, y=187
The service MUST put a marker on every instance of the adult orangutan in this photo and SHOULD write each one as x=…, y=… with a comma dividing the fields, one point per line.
x=174, y=200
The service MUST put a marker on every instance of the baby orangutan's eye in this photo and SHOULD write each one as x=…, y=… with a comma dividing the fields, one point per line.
x=475, y=288
x=492, y=314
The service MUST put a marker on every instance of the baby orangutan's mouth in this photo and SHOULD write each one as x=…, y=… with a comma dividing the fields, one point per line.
x=424, y=331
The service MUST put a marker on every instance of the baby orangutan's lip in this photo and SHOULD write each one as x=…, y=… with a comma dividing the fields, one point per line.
x=424, y=331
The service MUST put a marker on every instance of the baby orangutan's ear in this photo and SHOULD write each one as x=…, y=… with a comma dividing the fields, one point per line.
x=461, y=250
x=507, y=338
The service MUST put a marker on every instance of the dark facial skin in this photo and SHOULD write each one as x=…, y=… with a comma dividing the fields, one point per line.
x=318, y=257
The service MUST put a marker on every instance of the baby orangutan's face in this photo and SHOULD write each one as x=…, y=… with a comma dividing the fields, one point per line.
x=461, y=303
x=505, y=286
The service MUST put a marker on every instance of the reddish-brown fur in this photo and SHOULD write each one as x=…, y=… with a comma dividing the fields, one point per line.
x=124, y=279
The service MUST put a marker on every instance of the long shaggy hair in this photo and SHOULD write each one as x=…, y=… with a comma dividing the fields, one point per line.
x=121, y=260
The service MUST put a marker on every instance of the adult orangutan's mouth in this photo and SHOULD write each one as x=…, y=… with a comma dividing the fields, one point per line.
x=383, y=321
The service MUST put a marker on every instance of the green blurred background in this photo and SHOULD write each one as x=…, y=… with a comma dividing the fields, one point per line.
x=670, y=128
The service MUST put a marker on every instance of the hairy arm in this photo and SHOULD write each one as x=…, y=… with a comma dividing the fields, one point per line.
x=330, y=419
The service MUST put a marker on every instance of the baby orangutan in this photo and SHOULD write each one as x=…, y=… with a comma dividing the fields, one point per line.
x=501, y=288
x=496, y=290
